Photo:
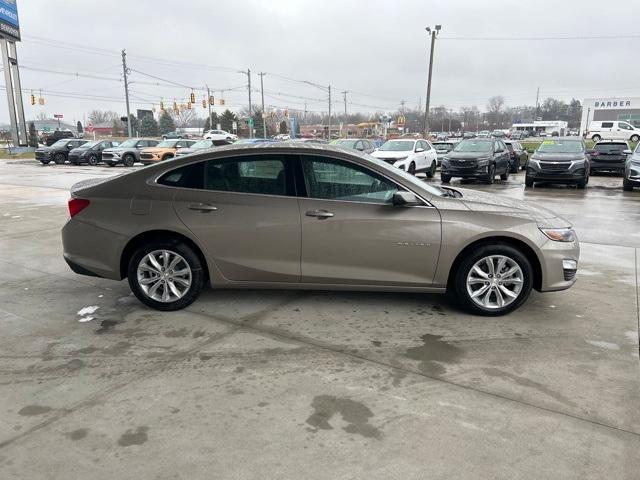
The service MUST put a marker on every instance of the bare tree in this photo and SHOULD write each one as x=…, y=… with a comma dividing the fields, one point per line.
x=42, y=116
x=103, y=116
x=495, y=108
x=183, y=117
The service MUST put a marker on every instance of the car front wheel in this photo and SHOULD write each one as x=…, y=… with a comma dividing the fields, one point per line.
x=60, y=158
x=493, y=280
x=432, y=170
x=166, y=275
x=128, y=160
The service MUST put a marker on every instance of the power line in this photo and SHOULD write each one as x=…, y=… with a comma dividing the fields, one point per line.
x=533, y=39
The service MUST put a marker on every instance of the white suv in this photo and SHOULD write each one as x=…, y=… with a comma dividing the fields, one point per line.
x=409, y=155
x=219, y=135
x=612, y=130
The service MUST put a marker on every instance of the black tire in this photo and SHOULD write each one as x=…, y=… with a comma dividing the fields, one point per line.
x=166, y=157
x=432, y=170
x=627, y=186
x=93, y=160
x=459, y=278
x=596, y=138
x=59, y=158
x=491, y=174
x=412, y=168
x=505, y=176
x=445, y=178
x=635, y=138
x=128, y=160
x=198, y=276
x=514, y=166
x=582, y=183
x=528, y=182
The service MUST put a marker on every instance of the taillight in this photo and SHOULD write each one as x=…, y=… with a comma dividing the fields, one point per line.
x=76, y=205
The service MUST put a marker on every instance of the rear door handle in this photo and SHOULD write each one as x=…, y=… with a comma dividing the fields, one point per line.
x=321, y=214
x=202, y=207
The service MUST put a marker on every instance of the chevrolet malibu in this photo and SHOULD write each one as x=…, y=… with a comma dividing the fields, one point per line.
x=308, y=216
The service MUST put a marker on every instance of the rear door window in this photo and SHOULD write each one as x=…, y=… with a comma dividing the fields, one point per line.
x=258, y=174
x=607, y=124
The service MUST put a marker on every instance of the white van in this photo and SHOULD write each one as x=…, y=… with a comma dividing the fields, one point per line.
x=612, y=130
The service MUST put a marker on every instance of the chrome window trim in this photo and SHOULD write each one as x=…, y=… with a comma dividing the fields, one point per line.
x=153, y=181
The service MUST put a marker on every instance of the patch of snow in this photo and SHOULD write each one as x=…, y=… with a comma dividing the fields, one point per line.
x=88, y=310
x=16, y=216
x=601, y=344
x=632, y=336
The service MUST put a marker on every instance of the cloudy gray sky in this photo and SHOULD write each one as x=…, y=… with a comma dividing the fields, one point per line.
x=377, y=50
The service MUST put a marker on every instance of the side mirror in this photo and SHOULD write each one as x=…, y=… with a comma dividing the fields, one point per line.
x=627, y=152
x=418, y=150
x=591, y=152
x=405, y=199
x=360, y=148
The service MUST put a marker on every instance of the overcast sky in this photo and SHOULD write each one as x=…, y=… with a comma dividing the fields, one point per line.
x=377, y=50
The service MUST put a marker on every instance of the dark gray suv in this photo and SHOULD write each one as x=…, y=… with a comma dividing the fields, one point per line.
x=559, y=160
x=479, y=158
x=632, y=171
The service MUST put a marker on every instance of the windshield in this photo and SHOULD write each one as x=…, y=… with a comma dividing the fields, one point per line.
x=610, y=147
x=344, y=143
x=132, y=142
x=167, y=144
x=474, y=146
x=89, y=144
x=443, y=146
x=201, y=144
x=397, y=146
x=561, y=146
x=60, y=143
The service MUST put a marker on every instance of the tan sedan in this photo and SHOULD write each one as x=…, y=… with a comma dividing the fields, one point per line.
x=310, y=216
x=163, y=150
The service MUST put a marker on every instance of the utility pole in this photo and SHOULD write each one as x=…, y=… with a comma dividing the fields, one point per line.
x=250, y=108
x=433, y=34
x=344, y=94
x=125, y=72
x=404, y=125
x=264, y=117
x=329, y=113
x=537, y=98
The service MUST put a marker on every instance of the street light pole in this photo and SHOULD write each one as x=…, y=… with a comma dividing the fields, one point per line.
x=329, y=112
x=125, y=72
x=264, y=116
x=433, y=34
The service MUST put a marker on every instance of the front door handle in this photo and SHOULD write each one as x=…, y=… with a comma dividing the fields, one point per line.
x=202, y=207
x=321, y=214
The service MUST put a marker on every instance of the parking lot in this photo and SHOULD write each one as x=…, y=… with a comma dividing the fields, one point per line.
x=279, y=384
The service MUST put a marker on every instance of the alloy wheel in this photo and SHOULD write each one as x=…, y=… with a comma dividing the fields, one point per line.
x=164, y=276
x=495, y=282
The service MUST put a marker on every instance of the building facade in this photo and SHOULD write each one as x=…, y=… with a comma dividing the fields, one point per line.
x=612, y=108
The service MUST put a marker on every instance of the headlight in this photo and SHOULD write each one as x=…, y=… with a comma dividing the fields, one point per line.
x=578, y=162
x=560, y=234
x=483, y=161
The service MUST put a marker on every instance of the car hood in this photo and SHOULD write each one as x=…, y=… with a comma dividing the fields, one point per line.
x=390, y=154
x=46, y=149
x=79, y=150
x=492, y=203
x=117, y=149
x=468, y=155
x=558, y=157
x=158, y=150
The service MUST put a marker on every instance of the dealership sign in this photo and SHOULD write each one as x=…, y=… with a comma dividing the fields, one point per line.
x=9, y=24
x=612, y=103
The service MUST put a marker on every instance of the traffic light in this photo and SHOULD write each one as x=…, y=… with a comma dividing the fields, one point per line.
x=221, y=101
x=189, y=105
x=41, y=101
x=161, y=106
x=175, y=106
x=33, y=99
x=211, y=100
x=204, y=103
x=192, y=97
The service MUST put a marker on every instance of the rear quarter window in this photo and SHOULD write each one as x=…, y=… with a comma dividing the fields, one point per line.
x=189, y=176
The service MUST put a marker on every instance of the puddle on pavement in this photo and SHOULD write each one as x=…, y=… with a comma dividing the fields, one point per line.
x=356, y=414
x=433, y=354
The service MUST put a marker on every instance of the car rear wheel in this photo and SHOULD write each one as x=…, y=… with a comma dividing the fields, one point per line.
x=128, y=160
x=166, y=275
x=432, y=170
x=505, y=176
x=514, y=166
x=445, y=178
x=60, y=158
x=596, y=138
x=493, y=280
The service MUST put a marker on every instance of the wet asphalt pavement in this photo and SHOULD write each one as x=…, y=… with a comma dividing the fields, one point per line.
x=315, y=385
